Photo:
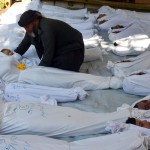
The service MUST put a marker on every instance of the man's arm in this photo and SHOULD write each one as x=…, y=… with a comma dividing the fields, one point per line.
x=24, y=45
x=48, y=41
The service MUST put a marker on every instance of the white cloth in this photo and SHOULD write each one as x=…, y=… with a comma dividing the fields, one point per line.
x=54, y=121
x=92, y=42
x=144, y=131
x=88, y=33
x=106, y=10
x=48, y=14
x=132, y=45
x=119, y=19
x=136, y=64
x=116, y=142
x=115, y=127
x=131, y=28
x=137, y=84
x=133, y=40
x=28, y=61
x=10, y=36
x=8, y=70
x=67, y=79
x=128, y=140
x=135, y=112
x=83, y=26
x=92, y=54
x=63, y=10
x=36, y=93
x=54, y=77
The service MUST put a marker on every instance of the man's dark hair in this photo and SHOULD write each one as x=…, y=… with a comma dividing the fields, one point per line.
x=131, y=120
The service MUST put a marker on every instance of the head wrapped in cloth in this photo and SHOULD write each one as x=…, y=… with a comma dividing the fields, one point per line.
x=29, y=16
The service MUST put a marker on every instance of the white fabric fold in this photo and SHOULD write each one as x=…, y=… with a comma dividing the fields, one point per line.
x=137, y=84
x=92, y=54
x=117, y=127
x=128, y=140
x=44, y=94
x=53, y=121
x=67, y=79
x=130, y=65
x=118, y=19
x=92, y=42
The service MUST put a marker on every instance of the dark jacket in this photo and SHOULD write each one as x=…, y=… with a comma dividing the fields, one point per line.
x=53, y=38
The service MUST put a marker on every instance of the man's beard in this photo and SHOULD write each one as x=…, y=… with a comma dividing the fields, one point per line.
x=32, y=34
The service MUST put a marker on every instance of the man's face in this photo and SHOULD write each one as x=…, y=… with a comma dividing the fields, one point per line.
x=7, y=52
x=144, y=105
x=29, y=28
x=143, y=123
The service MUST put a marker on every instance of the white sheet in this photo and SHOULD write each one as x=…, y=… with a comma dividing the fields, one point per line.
x=92, y=42
x=116, y=127
x=8, y=70
x=92, y=54
x=54, y=121
x=125, y=141
x=32, y=142
x=131, y=28
x=120, y=19
x=36, y=93
x=67, y=79
x=137, y=84
x=136, y=64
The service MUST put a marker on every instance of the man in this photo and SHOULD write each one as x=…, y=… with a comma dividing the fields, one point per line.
x=57, y=44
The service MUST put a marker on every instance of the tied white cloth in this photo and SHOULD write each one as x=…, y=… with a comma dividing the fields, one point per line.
x=44, y=94
x=115, y=127
x=67, y=79
x=135, y=112
x=140, y=114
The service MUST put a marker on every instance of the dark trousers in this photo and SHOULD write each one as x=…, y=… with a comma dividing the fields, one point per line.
x=69, y=61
